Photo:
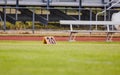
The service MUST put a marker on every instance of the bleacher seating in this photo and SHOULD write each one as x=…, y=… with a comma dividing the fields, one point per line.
x=61, y=14
x=30, y=14
x=8, y=18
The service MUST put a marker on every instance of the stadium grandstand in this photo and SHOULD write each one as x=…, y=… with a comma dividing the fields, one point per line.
x=45, y=11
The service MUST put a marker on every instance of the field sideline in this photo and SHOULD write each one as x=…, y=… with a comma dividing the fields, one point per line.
x=64, y=58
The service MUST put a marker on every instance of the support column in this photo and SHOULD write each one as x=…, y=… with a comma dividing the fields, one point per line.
x=16, y=13
x=80, y=9
x=91, y=17
x=109, y=12
x=48, y=4
x=4, y=10
x=33, y=22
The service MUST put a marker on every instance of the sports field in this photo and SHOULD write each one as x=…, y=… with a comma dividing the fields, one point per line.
x=64, y=58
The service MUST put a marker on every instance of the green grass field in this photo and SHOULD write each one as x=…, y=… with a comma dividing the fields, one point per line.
x=64, y=58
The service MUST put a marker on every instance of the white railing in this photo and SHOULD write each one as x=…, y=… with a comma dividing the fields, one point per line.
x=104, y=11
x=107, y=8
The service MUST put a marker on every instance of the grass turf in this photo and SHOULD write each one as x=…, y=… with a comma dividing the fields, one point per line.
x=64, y=58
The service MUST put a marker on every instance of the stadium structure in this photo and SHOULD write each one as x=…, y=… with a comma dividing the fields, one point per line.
x=56, y=10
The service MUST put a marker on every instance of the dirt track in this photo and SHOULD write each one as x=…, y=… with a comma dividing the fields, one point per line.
x=58, y=38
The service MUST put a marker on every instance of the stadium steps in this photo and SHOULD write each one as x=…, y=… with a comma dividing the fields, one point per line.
x=8, y=18
x=22, y=17
x=39, y=18
x=54, y=18
x=61, y=15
